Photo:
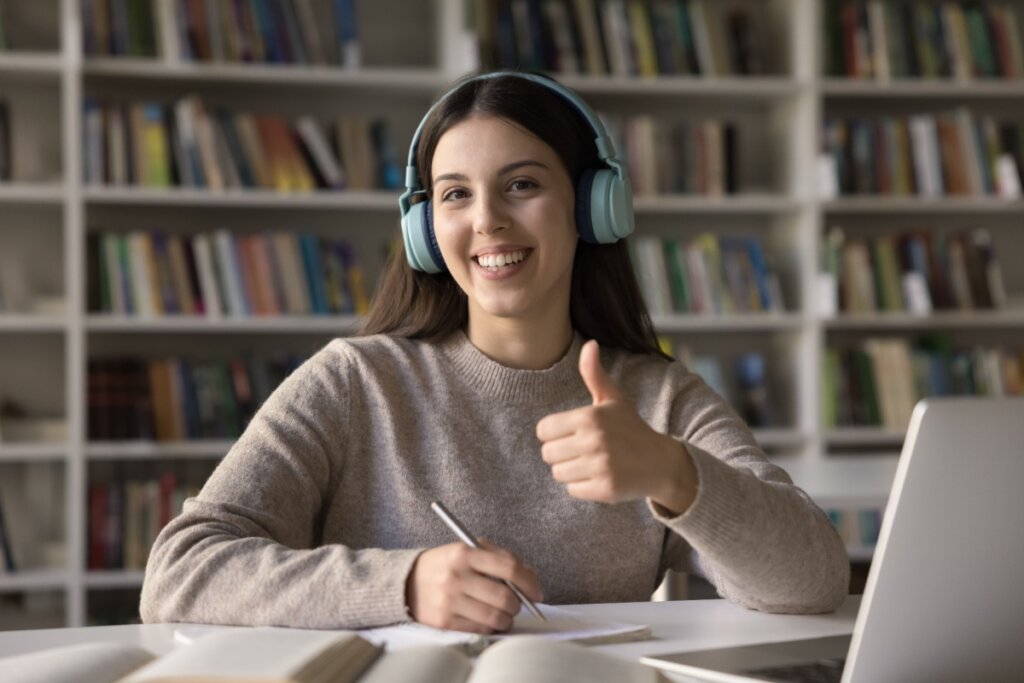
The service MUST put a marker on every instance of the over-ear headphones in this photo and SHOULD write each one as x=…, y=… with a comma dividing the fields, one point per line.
x=604, y=200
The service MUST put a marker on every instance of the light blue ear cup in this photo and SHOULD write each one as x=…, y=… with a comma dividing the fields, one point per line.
x=604, y=199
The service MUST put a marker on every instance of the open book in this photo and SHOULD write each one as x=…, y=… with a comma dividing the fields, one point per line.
x=273, y=655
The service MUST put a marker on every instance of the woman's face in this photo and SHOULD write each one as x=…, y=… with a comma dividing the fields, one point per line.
x=503, y=215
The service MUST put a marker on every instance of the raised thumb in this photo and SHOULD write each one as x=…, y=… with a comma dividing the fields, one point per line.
x=597, y=380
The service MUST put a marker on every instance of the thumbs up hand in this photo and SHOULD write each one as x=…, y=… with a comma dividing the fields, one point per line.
x=605, y=452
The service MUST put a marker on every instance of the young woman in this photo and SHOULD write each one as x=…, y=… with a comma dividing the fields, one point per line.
x=508, y=369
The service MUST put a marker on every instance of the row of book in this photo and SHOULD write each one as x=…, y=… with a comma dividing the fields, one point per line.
x=187, y=144
x=6, y=169
x=883, y=39
x=323, y=32
x=918, y=271
x=858, y=527
x=223, y=274
x=126, y=516
x=180, y=399
x=618, y=37
x=878, y=382
x=119, y=27
x=742, y=381
x=699, y=157
x=707, y=275
x=930, y=155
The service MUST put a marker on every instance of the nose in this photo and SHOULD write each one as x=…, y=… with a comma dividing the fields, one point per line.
x=489, y=214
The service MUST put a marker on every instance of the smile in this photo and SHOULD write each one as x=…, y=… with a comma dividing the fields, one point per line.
x=495, y=261
x=496, y=266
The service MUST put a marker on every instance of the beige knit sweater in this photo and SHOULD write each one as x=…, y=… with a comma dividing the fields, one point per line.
x=316, y=515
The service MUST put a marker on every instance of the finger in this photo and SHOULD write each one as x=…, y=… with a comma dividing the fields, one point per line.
x=558, y=425
x=600, y=385
x=491, y=592
x=576, y=470
x=502, y=564
x=593, y=489
x=483, y=617
x=560, y=450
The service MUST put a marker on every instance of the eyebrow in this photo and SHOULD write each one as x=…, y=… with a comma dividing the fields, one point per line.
x=502, y=171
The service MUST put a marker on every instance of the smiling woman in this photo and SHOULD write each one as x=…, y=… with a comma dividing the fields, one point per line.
x=508, y=369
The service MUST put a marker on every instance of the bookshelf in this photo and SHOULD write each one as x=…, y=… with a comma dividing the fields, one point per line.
x=47, y=211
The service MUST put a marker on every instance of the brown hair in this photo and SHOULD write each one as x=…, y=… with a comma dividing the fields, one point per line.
x=605, y=301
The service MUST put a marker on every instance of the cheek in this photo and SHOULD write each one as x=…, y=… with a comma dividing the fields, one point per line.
x=448, y=235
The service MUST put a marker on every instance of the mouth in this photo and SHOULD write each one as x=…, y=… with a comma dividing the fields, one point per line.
x=496, y=263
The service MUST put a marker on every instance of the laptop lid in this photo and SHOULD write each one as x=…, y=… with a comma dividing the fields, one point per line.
x=944, y=599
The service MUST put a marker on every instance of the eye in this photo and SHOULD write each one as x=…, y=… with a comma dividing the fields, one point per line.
x=522, y=184
x=453, y=195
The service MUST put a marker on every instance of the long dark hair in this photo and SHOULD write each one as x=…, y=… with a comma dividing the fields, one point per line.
x=605, y=301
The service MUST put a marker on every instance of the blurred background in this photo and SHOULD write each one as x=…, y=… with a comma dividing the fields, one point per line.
x=195, y=195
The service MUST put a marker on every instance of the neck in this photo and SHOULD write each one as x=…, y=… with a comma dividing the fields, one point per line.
x=527, y=345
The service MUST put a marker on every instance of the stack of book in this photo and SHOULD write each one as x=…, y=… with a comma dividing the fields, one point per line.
x=699, y=157
x=708, y=275
x=949, y=154
x=303, y=32
x=877, y=383
x=885, y=39
x=618, y=37
x=125, y=517
x=917, y=272
x=223, y=273
x=178, y=399
x=188, y=145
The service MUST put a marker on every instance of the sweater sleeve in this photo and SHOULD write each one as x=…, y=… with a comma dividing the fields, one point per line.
x=758, y=538
x=246, y=550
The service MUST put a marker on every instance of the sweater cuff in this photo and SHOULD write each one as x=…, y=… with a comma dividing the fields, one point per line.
x=382, y=600
x=713, y=519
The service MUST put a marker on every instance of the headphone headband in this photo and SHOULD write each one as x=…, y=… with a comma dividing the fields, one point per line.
x=605, y=147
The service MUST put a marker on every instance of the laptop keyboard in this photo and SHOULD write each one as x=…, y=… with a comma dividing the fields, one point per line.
x=821, y=671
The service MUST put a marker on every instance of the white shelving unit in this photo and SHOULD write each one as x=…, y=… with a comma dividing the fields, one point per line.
x=46, y=212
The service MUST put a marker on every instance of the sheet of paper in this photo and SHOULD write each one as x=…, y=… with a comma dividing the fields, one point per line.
x=561, y=624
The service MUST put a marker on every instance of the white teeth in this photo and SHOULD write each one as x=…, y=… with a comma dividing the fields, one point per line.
x=499, y=260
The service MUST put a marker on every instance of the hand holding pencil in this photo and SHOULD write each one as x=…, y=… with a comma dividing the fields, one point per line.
x=462, y=588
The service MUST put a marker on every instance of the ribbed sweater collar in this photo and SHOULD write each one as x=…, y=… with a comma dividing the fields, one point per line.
x=559, y=382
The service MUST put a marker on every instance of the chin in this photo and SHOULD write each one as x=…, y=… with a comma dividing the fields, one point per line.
x=504, y=309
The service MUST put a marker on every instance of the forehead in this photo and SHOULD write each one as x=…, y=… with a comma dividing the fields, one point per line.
x=481, y=141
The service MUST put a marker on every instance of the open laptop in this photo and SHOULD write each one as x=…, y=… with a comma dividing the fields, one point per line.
x=944, y=599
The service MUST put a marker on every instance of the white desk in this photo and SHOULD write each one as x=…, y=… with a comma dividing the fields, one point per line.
x=676, y=627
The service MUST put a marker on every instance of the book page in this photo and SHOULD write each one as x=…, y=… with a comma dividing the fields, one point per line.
x=542, y=661
x=420, y=664
x=84, y=663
